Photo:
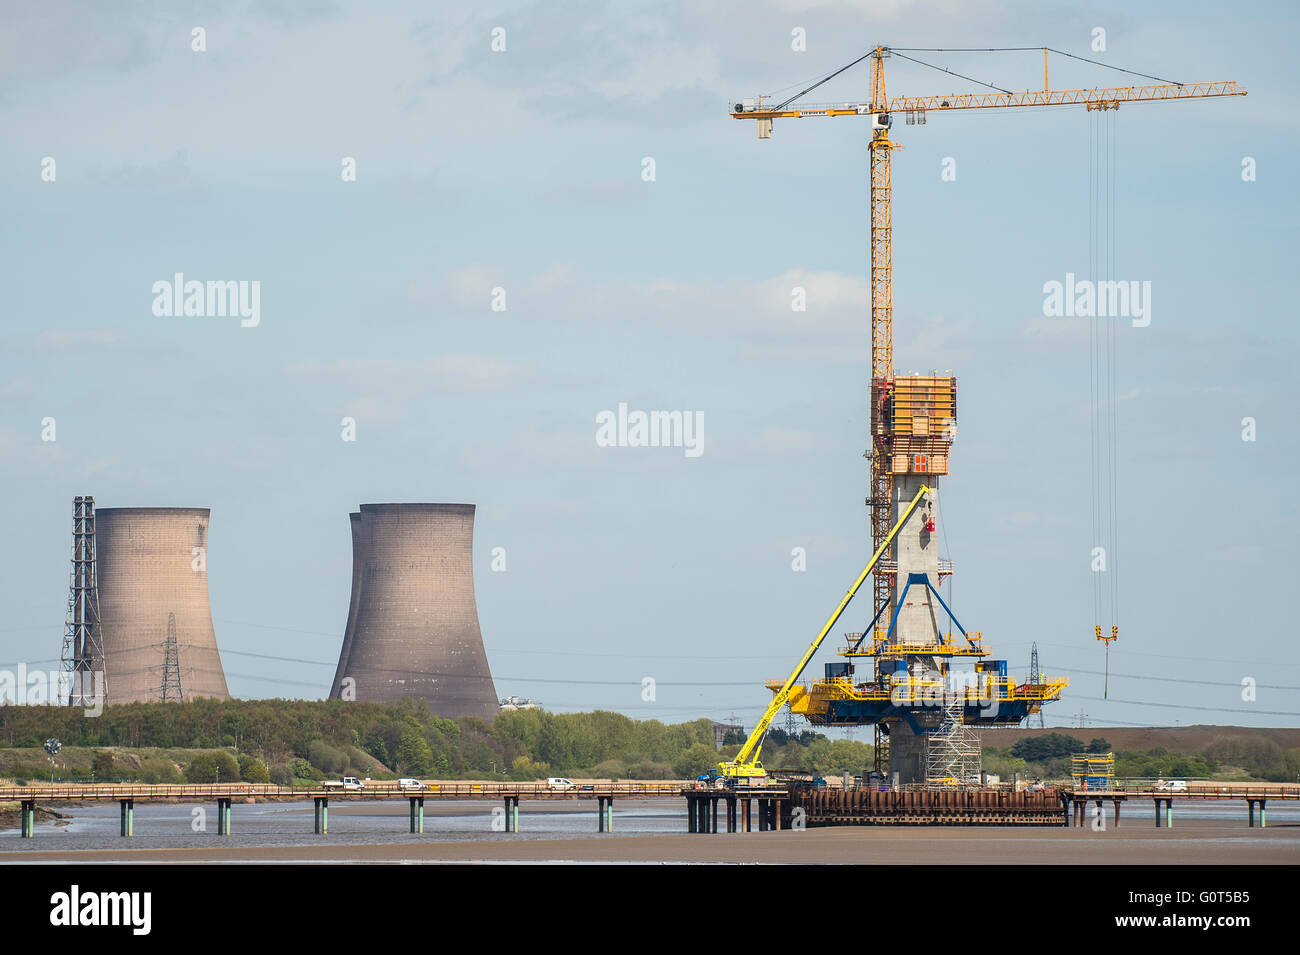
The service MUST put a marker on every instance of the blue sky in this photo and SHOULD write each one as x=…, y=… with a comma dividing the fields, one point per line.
x=522, y=170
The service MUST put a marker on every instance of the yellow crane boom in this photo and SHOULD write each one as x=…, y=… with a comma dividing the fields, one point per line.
x=746, y=764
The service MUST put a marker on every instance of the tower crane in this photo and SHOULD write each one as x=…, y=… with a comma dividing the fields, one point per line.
x=880, y=110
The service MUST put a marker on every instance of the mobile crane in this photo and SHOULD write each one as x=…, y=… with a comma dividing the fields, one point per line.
x=745, y=770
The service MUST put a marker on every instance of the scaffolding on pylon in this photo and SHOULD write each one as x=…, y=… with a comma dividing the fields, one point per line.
x=952, y=756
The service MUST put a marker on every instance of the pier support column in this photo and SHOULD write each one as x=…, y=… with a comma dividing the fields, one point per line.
x=731, y=814
x=1169, y=813
x=762, y=814
x=1116, y=802
x=1261, y=813
x=1250, y=813
x=748, y=822
x=419, y=815
x=1157, y=805
x=691, y=818
x=122, y=824
x=315, y=821
x=776, y=814
x=413, y=814
x=324, y=815
x=714, y=811
x=609, y=814
x=223, y=816
x=27, y=808
x=600, y=814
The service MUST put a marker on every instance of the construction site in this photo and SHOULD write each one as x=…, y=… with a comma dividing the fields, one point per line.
x=139, y=625
x=915, y=674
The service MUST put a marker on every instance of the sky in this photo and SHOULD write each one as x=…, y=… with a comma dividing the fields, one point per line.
x=521, y=176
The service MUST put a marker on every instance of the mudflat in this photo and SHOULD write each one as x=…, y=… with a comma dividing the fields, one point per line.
x=1191, y=842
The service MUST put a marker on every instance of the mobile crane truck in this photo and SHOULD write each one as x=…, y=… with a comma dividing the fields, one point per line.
x=746, y=771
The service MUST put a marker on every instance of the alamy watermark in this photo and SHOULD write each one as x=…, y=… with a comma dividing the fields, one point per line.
x=653, y=429
x=178, y=298
x=1105, y=299
x=23, y=687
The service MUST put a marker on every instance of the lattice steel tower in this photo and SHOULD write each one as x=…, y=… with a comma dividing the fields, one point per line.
x=1035, y=720
x=170, y=688
x=83, y=649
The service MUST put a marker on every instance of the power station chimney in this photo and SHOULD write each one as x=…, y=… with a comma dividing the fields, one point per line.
x=152, y=563
x=413, y=623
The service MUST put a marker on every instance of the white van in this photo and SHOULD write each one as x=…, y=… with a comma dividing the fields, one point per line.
x=559, y=784
x=407, y=783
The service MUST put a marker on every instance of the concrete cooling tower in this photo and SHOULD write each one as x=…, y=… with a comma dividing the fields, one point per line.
x=413, y=623
x=152, y=566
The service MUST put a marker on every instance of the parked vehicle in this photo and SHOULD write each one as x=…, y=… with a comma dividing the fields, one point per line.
x=408, y=783
x=559, y=784
x=1172, y=786
x=347, y=782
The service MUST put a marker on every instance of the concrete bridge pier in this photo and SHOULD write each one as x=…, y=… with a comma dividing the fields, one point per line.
x=128, y=817
x=322, y=815
x=1250, y=812
x=1169, y=813
x=731, y=814
x=512, y=814
x=605, y=818
x=28, y=811
x=223, y=816
x=417, y=813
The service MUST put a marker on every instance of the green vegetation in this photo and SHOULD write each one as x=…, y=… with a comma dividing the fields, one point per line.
x=292, y=742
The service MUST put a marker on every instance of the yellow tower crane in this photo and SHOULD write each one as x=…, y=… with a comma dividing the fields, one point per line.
x=880, y=109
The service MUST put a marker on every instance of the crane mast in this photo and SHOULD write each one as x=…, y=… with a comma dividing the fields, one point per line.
x=880, y=497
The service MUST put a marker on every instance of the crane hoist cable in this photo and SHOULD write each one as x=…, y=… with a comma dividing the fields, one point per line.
x=1103, y=380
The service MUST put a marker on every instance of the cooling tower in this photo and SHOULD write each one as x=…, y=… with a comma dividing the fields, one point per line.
x=152, y=563
x=413, y=623
x=358, y=561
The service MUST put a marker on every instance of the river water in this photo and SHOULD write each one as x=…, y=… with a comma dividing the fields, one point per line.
x=182, y=825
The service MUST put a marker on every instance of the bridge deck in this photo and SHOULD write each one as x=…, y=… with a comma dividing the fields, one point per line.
x=92, y=792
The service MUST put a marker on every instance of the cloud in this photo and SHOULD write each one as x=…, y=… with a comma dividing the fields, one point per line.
x=446, y=374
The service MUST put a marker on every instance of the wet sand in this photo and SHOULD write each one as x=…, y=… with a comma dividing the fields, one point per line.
x=1191, y=842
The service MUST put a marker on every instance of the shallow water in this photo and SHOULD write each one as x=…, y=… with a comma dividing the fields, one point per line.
x=173, y=825
x=275, y=824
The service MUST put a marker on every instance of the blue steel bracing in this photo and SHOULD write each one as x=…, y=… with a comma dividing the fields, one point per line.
x=871, y=628
x=951, y=616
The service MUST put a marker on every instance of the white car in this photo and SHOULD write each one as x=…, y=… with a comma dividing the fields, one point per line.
x=560, y=784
